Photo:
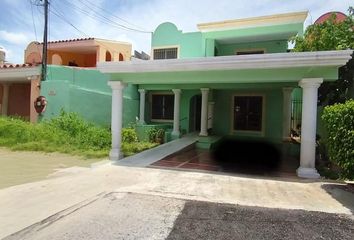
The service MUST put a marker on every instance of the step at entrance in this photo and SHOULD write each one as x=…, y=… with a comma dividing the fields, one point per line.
x=207, y=142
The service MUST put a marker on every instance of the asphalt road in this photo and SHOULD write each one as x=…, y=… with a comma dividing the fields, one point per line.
x=140, y=216
x=201, y=220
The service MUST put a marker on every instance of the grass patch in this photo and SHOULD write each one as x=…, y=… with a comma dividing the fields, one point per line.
x=67, y=133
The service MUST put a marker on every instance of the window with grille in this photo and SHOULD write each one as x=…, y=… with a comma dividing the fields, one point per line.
x=162, y=106
x=165, y=53
x=248, y=113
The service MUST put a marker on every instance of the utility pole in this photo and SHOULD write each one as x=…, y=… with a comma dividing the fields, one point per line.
x=45, y=42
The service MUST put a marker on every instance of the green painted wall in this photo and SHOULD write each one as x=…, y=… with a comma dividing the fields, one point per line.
x=186, y=97
x=268, y=46
x=190, y=44
x=209, y=47
x=202, y=44
x=223, y=108
x=272, y=119
x=86, y=92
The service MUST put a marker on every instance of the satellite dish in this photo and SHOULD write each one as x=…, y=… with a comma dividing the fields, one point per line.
x=340, y=17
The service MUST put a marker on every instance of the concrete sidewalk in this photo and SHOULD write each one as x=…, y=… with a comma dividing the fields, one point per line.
x=147, y=157
x=24, y=205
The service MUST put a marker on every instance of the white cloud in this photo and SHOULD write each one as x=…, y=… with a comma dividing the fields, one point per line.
x=186, y=14
x=14, y=38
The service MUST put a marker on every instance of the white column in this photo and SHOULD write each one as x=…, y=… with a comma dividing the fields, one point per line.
x=142, y=106
x=176, y=112
x=286, y=112
x=308, y=127
x=204, y=112
x=5, y=99
x=117, y=119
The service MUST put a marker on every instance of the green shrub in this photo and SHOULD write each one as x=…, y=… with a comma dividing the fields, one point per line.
x=66, y=133
x=129, y=135
x=71, y=123
x=15, y=131
x=156, y=135
x=339, y=122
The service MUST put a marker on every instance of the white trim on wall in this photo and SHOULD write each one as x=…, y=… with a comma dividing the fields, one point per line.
x=233, y=62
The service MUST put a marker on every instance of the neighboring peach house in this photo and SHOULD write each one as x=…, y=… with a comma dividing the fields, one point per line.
x=20, y=83
x=83, y=52
x=19, y=89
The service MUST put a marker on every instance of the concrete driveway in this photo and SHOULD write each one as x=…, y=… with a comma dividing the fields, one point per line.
x=140, y=216
x=31, y=204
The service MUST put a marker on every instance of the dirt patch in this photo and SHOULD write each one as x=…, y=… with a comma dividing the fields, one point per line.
x=18, y=167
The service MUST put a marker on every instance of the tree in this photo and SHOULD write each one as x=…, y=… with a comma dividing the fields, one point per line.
x=331, y=35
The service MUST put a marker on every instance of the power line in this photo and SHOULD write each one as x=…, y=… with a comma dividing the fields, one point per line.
x=62, y=17
x=34, y=25
x=58, y=13
x=113, y=15
x=98, y=16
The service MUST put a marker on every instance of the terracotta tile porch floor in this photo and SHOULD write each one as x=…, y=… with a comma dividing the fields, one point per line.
x=203, y=160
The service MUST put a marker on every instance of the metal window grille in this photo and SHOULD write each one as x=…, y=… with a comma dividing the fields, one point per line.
x=165, y=53
x=296, y=111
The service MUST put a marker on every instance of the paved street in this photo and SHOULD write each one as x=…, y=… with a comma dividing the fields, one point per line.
x=123, y=202
x=139, y=216
x=203, y=220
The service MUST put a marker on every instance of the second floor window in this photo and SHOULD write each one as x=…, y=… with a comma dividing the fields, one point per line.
x=165, y=53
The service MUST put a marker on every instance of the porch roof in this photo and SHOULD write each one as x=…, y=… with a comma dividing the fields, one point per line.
x=275, y=67
x=19, y=72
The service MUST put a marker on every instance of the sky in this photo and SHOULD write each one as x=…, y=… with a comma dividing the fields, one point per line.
x=21, y=21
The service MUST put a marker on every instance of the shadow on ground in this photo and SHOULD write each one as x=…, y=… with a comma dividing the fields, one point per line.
x=202, y=220
x=344, y=194
x=252, y=157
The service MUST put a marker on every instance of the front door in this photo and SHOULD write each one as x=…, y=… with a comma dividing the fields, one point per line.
x=248, y=113
x=195, y=113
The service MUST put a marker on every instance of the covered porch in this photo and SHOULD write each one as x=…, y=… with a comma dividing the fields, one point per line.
x=246, y=97
x=19, y=87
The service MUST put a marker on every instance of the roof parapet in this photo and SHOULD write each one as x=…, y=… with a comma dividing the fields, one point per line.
x=276, y=19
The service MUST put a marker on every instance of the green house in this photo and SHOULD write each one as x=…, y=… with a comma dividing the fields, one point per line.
x=230, y=78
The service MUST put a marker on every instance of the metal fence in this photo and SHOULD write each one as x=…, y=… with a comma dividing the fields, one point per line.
x=296, y=110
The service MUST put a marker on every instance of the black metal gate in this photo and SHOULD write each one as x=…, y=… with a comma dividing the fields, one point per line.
x=296, y=111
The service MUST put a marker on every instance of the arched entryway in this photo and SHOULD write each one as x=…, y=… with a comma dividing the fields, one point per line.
x=121, y=58
x=195, y=113
x=108, y=56
x=57, y=60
